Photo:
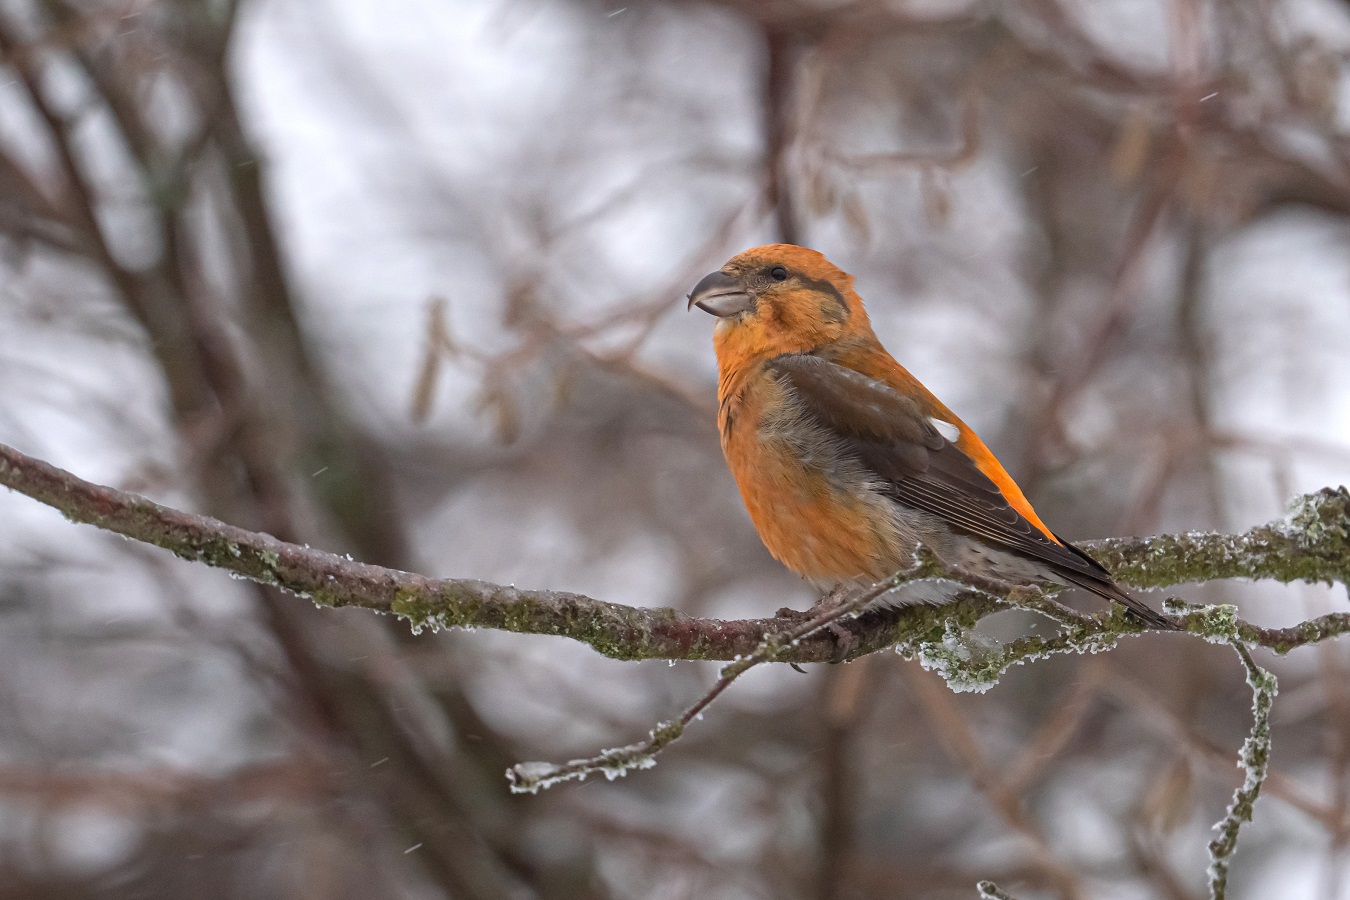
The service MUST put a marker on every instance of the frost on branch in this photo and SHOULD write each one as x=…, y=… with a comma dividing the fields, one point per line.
x=532, y=777
x=1310, y=543
x=970, y=662
x=1254, y=760
x=1217, y=623
x=1320, y=518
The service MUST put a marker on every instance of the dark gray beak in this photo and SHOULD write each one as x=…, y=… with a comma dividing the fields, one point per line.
x=721, y=294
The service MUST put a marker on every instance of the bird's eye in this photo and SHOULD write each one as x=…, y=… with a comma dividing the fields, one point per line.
x=778, y=273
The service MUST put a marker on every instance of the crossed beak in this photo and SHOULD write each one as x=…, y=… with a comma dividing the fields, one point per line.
x=721, y=294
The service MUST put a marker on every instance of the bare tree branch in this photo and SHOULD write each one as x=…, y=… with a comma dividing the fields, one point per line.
x=1254, y=760
x=1311, y=544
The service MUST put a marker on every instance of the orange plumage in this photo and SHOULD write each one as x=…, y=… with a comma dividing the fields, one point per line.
x=845, y=461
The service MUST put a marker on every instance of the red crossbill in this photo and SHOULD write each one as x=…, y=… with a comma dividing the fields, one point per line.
x=845, y=461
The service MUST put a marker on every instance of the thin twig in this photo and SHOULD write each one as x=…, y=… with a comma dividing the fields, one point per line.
x=1254, y=759
x=530, y=777
x=990, y=891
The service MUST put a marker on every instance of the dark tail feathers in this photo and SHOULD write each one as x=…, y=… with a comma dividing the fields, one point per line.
x=1111, y=591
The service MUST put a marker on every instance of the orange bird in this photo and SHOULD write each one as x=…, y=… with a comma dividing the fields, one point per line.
x=845, y=461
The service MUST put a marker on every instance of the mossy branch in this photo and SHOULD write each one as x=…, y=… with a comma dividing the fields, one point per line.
x=1311, y=544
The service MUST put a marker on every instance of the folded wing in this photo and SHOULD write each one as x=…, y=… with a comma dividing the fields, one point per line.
x=889, y=434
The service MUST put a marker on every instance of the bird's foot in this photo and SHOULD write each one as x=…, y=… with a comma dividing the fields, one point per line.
x=844, y=640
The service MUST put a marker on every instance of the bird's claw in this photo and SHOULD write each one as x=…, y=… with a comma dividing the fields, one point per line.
x=844, y=640
x=844, y=643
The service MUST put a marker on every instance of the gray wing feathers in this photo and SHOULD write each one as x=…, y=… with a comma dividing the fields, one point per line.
x=889, y=435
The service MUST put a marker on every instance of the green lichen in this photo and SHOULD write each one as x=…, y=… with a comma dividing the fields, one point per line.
x=420, y=614
x=1312, y=543
x=326, y=597
x=666, y=732
x=1319, y=515
x=1217, y=624
x=502, y=609
x=217, y=552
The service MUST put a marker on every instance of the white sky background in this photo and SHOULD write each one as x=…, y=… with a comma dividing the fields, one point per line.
x=411, y=142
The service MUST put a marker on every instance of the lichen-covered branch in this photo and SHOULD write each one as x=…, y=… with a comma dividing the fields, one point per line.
x=329, y=579
x=1254, y=760
x=1312, y=544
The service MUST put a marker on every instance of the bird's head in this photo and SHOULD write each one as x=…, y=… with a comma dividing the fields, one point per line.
x=778, y=299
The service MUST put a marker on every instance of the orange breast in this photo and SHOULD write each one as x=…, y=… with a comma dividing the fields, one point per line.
x=822, y=523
